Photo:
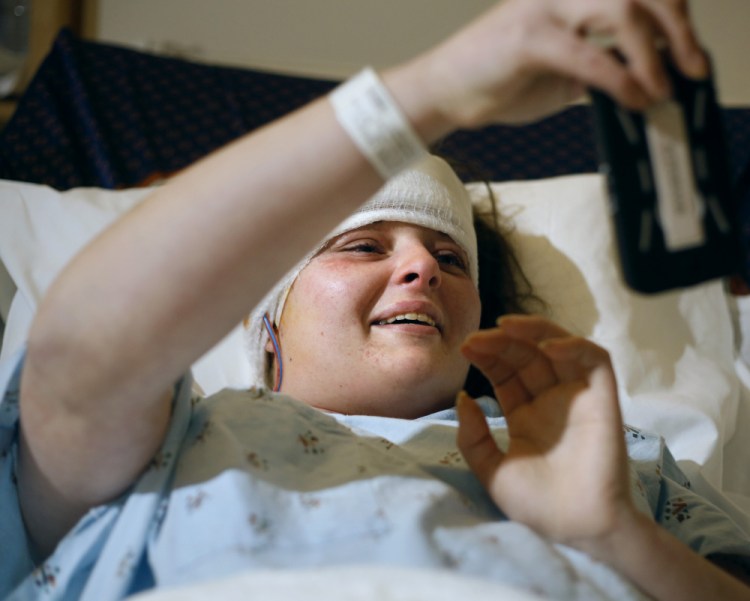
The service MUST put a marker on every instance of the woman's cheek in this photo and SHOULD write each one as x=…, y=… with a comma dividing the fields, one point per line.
x=470, y=308
x=340, y=290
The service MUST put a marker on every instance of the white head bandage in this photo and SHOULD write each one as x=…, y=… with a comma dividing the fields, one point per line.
x=429, y=194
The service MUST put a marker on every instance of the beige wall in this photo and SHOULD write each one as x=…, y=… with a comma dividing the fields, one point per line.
x=724, y=27
x=336, y=37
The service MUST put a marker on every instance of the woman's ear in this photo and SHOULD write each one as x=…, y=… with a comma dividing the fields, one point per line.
x=269, y=346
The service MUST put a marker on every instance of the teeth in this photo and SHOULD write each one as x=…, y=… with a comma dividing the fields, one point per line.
x=421, y=317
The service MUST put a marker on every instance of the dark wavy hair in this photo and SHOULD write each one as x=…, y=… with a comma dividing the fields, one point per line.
x=503, y=286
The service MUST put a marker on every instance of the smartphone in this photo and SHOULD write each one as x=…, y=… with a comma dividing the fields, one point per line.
x=669, y=182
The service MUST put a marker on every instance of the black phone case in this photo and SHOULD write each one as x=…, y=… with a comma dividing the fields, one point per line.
x=647, y=264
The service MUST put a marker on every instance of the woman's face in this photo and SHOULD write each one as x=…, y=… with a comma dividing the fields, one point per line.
x=374, y=323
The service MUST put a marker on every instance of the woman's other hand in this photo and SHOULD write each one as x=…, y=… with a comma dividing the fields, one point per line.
x=565, y=470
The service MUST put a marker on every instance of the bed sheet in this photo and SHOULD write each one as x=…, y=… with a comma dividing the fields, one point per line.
x=354, y=583
x=7, y=292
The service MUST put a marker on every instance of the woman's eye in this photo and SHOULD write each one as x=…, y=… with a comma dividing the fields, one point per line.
x=451, y=259
x=363, y=247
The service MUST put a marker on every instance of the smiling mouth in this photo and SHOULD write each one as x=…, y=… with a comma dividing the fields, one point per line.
x=408, y=318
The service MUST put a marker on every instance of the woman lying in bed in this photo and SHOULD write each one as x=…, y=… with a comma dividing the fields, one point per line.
x=377, y=324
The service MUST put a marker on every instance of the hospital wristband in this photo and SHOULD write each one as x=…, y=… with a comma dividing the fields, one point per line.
x=375, y=123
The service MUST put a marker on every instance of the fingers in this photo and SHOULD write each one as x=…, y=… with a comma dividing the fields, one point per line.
x=653, y=26
x=574, y=358
x=524, y=59
x=475, y=441
x=640, y=30
x=563, y=52
x=528, y=355
x=510, y=359
x=639, y=43
x=533, y=327
x=581, y=361
x=674, y=20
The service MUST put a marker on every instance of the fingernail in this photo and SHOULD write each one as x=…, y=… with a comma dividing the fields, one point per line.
x=545, y=344
x=698, y=66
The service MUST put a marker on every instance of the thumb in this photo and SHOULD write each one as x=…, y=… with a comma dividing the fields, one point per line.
x=475, y=441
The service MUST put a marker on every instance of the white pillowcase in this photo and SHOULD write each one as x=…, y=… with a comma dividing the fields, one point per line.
x=40, y=231
x=673, y=353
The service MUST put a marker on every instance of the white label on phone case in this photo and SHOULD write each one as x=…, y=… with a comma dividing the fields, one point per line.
x=679, y=205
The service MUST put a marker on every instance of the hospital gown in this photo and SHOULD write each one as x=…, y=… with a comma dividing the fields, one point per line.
x=252, y=479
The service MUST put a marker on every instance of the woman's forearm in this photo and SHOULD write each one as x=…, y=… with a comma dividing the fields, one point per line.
x=663, y=566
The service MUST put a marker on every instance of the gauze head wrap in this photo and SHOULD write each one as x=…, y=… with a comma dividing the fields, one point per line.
x=429, y=194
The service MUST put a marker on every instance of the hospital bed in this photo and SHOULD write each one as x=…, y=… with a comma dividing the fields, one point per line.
x=100, y=125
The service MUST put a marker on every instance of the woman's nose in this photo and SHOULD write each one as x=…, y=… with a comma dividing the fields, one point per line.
x=417, y=266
